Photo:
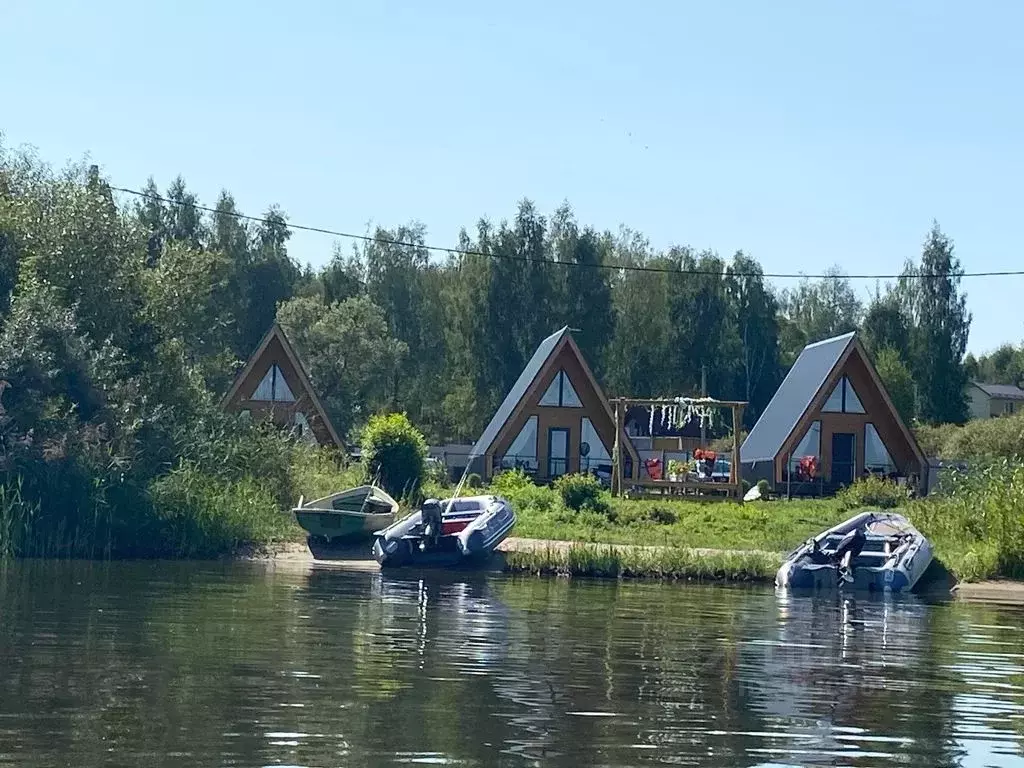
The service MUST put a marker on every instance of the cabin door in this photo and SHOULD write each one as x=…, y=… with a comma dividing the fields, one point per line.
x=558, y=451
x=843, y=457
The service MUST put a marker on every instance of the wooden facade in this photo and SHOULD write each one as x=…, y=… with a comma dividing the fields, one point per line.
x=274, y=386
x=850, y=414
x=558, y=447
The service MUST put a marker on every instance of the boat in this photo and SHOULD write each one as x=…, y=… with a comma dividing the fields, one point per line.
x=449, y=533
x=348, y=515
x=872, y=551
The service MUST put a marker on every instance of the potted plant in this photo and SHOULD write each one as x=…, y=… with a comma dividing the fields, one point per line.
x=676, y=470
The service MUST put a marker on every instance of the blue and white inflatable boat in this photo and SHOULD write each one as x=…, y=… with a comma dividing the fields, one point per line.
x=871, y=552
x=453, y=532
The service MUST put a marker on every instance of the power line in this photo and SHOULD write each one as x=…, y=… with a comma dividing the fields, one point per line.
x=513, y=257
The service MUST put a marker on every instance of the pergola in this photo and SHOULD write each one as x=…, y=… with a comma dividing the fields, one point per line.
x=689, y=406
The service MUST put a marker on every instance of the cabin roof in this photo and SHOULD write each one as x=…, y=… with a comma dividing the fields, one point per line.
x=544, y=351
x=793, y=397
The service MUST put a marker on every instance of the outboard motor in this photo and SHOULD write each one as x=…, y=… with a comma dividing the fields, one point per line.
x=430, y=516
x=848, y=548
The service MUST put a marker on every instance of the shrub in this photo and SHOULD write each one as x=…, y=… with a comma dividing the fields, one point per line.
x=521, y=492
x=661, y=515
x=764, y=487
x=580, y=490
x=473, y=480
x=872, y=492
x=394, y=453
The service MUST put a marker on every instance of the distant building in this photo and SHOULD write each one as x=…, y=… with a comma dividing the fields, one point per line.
x=987, y=401
x=274, y=385
x=832, y=416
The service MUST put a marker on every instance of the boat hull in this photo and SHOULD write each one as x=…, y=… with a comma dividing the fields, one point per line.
x=352, y=514
x=876, y=569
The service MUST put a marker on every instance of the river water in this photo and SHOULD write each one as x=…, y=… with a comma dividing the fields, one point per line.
x=186, y=664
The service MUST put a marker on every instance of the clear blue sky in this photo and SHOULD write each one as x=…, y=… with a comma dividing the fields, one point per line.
x=807, y=134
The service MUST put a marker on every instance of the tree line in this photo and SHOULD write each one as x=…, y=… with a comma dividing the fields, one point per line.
x=162, y=298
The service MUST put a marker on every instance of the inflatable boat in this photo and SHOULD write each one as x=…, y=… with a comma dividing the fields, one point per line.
x=448, y=533
x=872, y=551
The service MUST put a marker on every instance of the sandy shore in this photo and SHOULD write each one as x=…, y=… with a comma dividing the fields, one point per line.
x=296, y=554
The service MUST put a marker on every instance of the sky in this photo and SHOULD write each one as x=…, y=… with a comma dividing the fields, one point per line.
x=807, y=134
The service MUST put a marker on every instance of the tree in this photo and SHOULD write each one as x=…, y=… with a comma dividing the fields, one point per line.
x=898, y=381
x=823, y=308
x=349, y=353
x=638, y=356
x=886, y=325
x=585, y=293
x=941, y=324
x=753, y=314
x=1004, y=365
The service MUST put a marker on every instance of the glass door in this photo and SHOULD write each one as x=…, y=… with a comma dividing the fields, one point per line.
x=558, y=451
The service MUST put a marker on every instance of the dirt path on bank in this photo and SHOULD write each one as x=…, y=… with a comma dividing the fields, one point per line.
x=297, y=555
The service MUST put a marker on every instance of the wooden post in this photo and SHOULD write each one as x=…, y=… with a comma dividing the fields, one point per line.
x=617, y=455
x=737, y=424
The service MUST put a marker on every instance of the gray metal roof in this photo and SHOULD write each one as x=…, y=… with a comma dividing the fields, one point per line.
x=1003, y=391
x=518, y=390
x=793, y=398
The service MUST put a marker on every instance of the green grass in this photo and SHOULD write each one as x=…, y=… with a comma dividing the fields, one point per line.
x=630, y=562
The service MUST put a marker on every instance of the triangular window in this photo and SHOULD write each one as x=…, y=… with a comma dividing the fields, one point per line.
x=561, y=393
x=843, y=399
x=273, y=388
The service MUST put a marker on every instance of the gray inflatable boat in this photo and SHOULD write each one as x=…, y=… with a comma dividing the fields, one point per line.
x=447, y=533
x=872, y=551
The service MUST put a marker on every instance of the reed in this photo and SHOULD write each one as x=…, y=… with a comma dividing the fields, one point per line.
x=669, y=563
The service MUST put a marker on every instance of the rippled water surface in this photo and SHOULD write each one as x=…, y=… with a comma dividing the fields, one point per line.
x=160, y=664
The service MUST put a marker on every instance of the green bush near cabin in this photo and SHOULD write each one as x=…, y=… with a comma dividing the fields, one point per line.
x=581, y=491
x=872, y=493
x=978, y=439
x=394, y=452
x=976, y=520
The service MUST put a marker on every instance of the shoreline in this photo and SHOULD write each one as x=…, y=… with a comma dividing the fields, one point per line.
x=550, y=557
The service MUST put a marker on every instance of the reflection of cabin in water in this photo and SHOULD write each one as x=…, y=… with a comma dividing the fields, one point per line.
x=274, y=386
x=830, y=422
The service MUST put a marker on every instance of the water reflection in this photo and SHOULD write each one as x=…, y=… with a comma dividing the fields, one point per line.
x=168, y=664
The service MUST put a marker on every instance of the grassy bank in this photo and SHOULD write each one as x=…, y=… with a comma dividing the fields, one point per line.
x=611, y=561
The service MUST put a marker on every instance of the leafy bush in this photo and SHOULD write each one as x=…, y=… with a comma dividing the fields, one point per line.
x=764, y=487
x=983, y=439
x=661, y=515
x=975, y=520
x=523, y=494
x=394, y=452
x=579, y=491
x=874, y=492
x=473, y=480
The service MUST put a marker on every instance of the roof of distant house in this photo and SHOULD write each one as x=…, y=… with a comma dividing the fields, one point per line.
x=1002, y=391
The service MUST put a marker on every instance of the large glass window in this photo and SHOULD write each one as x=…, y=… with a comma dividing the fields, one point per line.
x=273, y=388
x=593, y=452
x=560, y=393
x=522, y=453
x=809, y=445
x=843, y=399
x=876, y=455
